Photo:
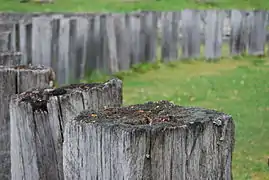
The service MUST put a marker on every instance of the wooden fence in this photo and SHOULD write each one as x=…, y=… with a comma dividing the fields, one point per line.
x=73, y=43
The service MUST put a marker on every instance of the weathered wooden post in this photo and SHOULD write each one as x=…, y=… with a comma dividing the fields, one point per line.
x=15, y=79
x=213, y=33
x=10, y=58
x=38, y=119
x=149, y=141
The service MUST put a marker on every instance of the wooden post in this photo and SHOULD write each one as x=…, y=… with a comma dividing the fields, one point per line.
x=258, y=30
x=38, y=119
x=135, y=29
x=148, y=35
x=123, y=40
x=149, y=141
x=213, y=33
x=237, y=41
x=170, y=36
x=10, y=58
x=14, y=80
x=4, y=40
x=191, y=40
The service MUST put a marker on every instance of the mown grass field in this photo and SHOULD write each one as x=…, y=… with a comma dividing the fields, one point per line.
x=128, y=5
x=239, y=87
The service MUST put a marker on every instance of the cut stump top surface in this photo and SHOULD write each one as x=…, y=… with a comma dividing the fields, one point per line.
x=152, y=114
x=39, y=97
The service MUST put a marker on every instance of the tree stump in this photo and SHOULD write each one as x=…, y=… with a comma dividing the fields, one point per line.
x=151, y=141
x=13, y=80
x=38, y=119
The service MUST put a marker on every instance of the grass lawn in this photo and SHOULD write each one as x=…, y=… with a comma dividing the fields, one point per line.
x=128, y=5
x=239, y=87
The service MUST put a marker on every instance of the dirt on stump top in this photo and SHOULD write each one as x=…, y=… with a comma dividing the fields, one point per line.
x=152, y=114
x=38, y=98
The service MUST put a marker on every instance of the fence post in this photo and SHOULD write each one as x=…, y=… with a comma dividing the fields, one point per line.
x=257, y=37
x=63, y=56
x=135, y=28
x=10, y=58
x=155, y=140
x=213, y=33
x=15, y=79
x=123, y=40
x=191, y=40
x=25, y=40
x=148, y=35
x=41, y=47
x=238, y=31
x=38, y=120
x=170, y=37
x=4, y=40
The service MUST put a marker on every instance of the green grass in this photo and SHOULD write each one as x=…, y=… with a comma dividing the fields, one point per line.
x=239, y=87
x=128, y=5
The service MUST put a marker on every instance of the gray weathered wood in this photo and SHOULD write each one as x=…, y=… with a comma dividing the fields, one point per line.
x=41, y=41
x=103, y=45
x=97, y=41
x=38, y=119
x=247, y=26
x=213, y=33
x=110, y=57
x=4, y=41
x=190, y=33
x=63, y=59
x=170, y=36
x=72, y=51
x=91, y=62
x=150, y=141
x=82, y=36
x=134, y=28
x=258, y=31
x=55, y=34
x=6, y=26
x=110, y=42
x=123, y=40
x=108, y=53
x=10, y=58
x=14, y=44
x=25, y=34
x=237, y=41
x=148, y=36
x=14, y=80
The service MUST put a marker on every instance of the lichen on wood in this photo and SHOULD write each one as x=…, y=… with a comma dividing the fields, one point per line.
x=155, y=140
x=38, y=119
